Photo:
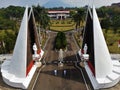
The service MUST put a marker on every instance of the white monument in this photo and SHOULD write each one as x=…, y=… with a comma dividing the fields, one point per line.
x=85, y=55
x=65, y=72
x=107, y=71
x=19, y=70
x=35, y=50
x=85, y=48
x=55, y=72
x=36, y=57
x=60, y=58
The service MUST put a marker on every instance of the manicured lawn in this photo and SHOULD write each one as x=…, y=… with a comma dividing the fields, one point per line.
x=62, y=25
x=62, y=28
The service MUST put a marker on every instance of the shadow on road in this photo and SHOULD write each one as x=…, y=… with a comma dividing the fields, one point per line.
x=72, y=73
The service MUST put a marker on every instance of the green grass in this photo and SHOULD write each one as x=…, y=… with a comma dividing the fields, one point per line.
x=114, y=48
x=62, y=25
x=111, y=40
x=61, y=28
x=3, y=33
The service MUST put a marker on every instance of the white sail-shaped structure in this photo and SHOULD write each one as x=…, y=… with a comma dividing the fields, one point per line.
x=19, y=70
x=102, y=56
x=101, y=69
x=18, y=54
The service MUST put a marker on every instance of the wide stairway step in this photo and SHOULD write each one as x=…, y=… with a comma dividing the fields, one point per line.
x=116, y=63
x=116, y=70
x=104, y=80
x=113, y=76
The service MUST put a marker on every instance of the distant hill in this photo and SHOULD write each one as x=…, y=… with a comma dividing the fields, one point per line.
x=55, y=3
x=116, y=4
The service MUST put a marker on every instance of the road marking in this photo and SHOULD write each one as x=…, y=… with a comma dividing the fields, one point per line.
x=81, y=73
x=38, y=75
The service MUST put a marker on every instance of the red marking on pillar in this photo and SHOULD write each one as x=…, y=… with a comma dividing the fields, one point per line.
x=39, y=51
x=32, y=63
x=119, y=41
x=29, y=67
x=91, y=67
x=82, y=51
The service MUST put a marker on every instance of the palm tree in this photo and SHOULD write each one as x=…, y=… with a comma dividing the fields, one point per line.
x=78, y=17
x=42, y=18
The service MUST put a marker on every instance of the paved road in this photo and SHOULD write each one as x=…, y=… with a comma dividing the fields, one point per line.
x=72, y=80
x=47, y=80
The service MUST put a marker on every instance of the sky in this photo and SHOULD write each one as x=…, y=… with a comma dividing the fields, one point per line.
x=54, y=3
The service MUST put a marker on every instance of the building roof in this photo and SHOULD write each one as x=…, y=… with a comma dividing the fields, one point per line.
x=59, y=11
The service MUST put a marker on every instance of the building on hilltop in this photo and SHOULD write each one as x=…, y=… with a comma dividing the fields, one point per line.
x=59, y=14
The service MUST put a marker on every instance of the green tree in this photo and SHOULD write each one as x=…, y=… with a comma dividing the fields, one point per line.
x=78, y=16
x=60, y=41
x=106, y=23
x=9, y=40
x=116, y=23
x=14, y=12
x=42, y=18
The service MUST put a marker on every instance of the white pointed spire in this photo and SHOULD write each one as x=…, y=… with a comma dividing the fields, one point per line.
x=103, y=62
x=19, y=70
x=103, y=72
x=18, y=62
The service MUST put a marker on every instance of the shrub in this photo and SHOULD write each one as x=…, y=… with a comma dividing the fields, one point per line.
x=60, y=41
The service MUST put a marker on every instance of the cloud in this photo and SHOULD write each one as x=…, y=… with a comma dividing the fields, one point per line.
x=72, y=3
x=56, y=3
x=6, y=3
x=97, y=3
x=76, y=2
